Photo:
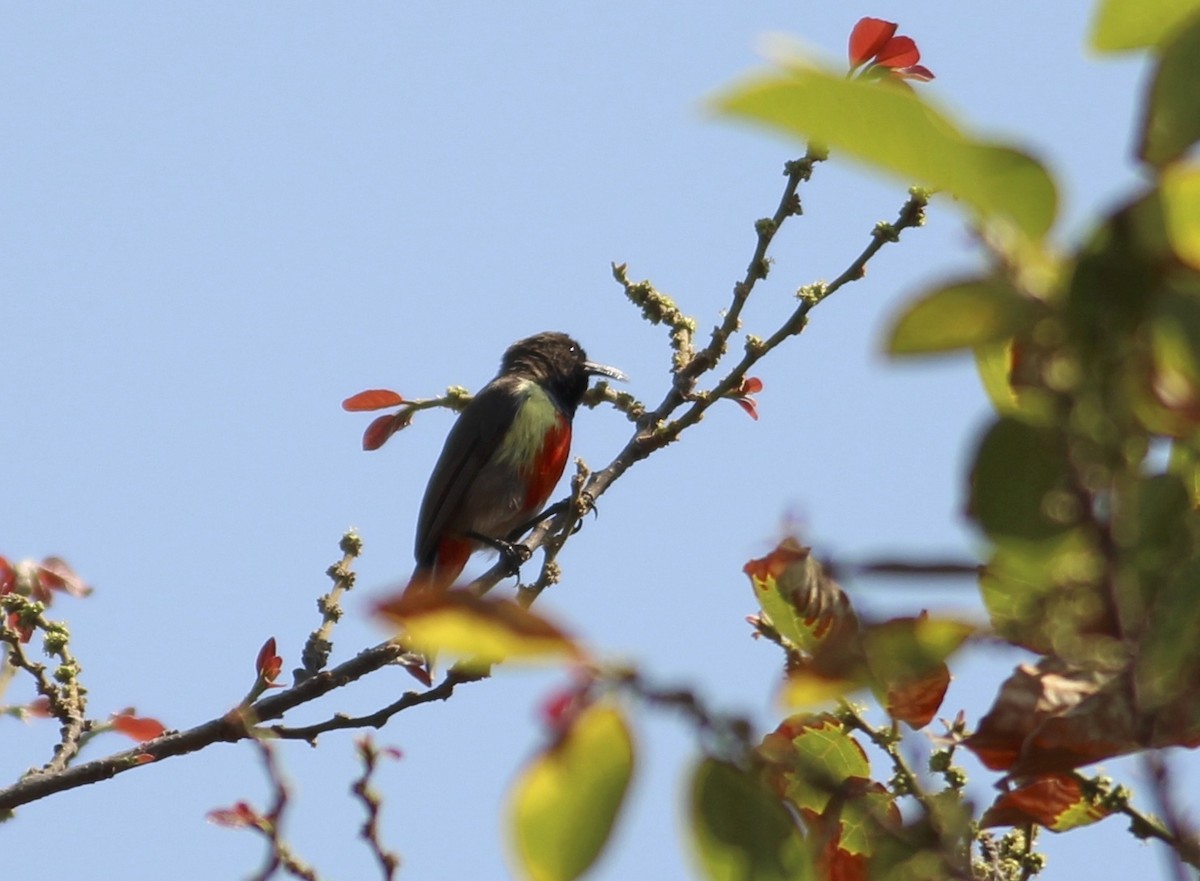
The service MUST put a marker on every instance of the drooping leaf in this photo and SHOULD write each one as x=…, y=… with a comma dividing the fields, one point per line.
x=739, y=829
x=565, y=802
x=907, y=659
x=1055, y=801
x=1121, y=25
x=461, y=624
x=1172, y=122
x=896, y=131
x=960, y=315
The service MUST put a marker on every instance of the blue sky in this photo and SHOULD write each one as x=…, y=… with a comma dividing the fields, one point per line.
x=221, y=219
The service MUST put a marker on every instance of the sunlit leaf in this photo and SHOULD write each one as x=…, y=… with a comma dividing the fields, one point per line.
x=461, y=624
x=960, y=315
x=140, y=728
x=383, y=427
x=896, y=131
x=565, y=802
x=1055, y=801
x=1172, y=122
x=804, y=604
x=1180, y=195
x=1121, y=25
x=739, y=829
x=996, y=362
x=811, y=757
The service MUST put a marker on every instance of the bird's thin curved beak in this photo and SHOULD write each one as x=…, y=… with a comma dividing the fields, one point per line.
x=595, y=369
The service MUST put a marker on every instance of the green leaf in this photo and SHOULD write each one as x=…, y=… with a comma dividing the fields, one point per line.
x=1172, y=122
x=895, y=131
x=1180, y=196
x=1019, y=485
x=740, y=830
x=1168, y=663
x=960, y=315
x=1121, y=25
x=811, y=756
x=564, y=804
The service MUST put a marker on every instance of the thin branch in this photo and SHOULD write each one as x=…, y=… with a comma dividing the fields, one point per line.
x=362, y=789
x=318, y=646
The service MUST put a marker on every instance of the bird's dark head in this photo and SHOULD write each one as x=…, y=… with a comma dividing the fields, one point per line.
x=556, y=362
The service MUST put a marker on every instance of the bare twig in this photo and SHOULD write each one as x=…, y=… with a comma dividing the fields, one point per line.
x=361, y=787
x=318, y=647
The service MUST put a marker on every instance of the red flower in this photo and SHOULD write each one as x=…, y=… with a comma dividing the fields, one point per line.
x=876, y=49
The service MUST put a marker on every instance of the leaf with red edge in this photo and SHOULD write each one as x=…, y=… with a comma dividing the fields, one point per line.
x=868, y=37
x=898, y=52
x=1056, y=801
x=372, y=399
x=140, y=728
x=240, y=816
x=907, y=659
x=384, y=427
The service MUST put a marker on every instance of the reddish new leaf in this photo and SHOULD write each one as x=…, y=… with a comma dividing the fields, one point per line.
x=384, y=427
x=372, y=399
x=240, y=816
x=139, y=728
x=54, y=573
x=268, y=664
x=898, y=52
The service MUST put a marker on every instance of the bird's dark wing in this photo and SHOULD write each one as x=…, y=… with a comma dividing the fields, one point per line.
x=471, y=443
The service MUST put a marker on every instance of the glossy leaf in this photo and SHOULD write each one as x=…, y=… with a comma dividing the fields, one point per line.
x=960, y=315
x=1121, y=25
x=1019, y=482
x=895, y=131
x=565, y=802
x=1172, y=122
x=461, y=624
x=739, y=829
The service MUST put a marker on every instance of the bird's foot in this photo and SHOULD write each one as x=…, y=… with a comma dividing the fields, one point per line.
x=514, y=555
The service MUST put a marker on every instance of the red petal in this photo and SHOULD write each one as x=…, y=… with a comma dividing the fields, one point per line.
x=384, y=427
x=749, y=405
x=868, y=37
x=898, y=52
x=372, y=399
x=140, y=729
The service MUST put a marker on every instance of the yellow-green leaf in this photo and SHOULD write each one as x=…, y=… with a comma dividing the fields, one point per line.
x=461, y=624
x=565, y=802
x=960, y=315
x=740, y=830
x=1121, y=25
x=1180, y=194
x=896, y=131
x=811, y=756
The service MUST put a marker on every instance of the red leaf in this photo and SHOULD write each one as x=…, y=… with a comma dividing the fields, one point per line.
x=384, y=427
x=916, y=72
x=749, y=405
x=241, y=815
x=898, y=52
x=8, y=577
x=751, y=385
x=1055, y=801
x=268, y=663
x=372, y=399
x=868, y=37
x=916, y=702
x=54, y=573
x=139, y=728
